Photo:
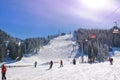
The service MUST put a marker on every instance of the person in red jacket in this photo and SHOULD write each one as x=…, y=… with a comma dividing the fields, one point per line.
x=3, y=71
x=111, y=61
x=61, y=63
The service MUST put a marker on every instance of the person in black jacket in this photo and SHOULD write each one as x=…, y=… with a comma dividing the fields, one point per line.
x=74, y=61
x=35, y=64
x=51, y=64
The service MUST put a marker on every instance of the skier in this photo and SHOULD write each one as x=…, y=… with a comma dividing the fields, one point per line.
x=61, y=63
x=51, y=64
x=3, y=71
x=35, y=64
x=74, y=61
x=91, y=60
x=111, y=61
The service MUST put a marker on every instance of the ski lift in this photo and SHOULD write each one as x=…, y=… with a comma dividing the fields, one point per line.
x=93, y=36
x=115, y=30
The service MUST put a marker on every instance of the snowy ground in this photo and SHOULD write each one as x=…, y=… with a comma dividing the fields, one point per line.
x=98, y=71
x=60, y=48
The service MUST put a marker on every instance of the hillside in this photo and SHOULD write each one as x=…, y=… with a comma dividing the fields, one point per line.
x=60, y=48
x=13, y=49
x=57, y=49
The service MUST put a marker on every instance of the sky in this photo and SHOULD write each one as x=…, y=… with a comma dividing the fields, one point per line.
x=39, y=18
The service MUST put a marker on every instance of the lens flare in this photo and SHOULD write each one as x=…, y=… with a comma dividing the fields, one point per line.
x=95, y=4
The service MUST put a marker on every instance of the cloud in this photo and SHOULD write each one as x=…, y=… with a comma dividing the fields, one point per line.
x=67, y=11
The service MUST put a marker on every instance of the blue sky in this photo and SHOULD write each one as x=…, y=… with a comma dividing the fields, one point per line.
x=38, y=18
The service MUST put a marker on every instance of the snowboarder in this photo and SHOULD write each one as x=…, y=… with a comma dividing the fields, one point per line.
x=111, y=61
x=3, y=71
x=74, y=61
x=51, y=64
x=35, y=64
x=61, y=63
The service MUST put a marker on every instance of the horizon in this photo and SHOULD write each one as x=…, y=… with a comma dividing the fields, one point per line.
x=53, y=34
x=27, y=19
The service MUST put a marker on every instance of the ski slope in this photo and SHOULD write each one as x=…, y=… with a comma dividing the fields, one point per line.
x=57, y=49
x=60, y=48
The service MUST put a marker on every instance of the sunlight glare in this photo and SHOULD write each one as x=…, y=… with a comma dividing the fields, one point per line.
x=95, y=4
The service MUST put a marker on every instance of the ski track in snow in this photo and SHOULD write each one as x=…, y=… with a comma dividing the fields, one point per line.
x=60, y=48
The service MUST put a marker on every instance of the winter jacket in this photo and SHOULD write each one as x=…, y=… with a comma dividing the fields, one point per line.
x=51, y=62
x=111, y=59
x=3, y=69
x=61, y=62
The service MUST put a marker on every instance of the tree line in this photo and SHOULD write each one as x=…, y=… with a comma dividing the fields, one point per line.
x=15, y=48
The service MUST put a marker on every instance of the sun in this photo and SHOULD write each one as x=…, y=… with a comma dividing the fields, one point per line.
x=95, y=4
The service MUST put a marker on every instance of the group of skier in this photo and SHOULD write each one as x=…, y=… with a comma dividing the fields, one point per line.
x=3, y=68
x=61, y=63
x=51, y=64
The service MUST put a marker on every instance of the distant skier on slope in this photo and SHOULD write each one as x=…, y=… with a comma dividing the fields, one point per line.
x=111, y=61
x=74, y=61
x=3, y=71
x=91, y=60
x=51, y=64
x=61, y=63
x=35, y=64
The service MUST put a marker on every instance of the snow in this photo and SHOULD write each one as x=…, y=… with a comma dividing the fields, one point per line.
x=117, y=53
x=99, y=71
x=60, y=48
